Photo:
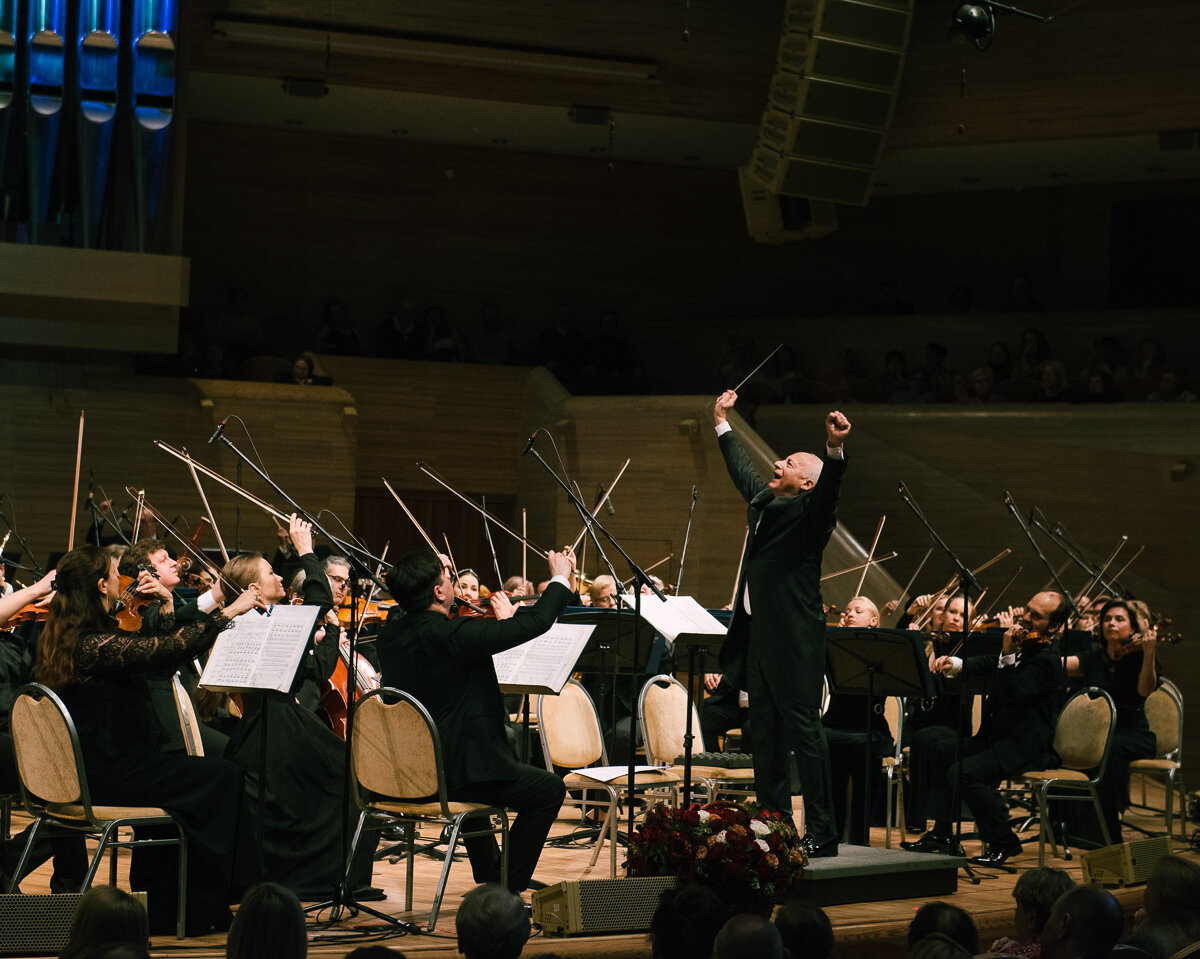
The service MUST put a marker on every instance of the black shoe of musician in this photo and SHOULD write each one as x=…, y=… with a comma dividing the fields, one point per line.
x=931, y=842
x=997, y=853
x=825, y=850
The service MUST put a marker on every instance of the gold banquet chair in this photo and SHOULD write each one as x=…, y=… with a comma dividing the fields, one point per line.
x=893, y=712
x=571, y=738
x=1164, y=713
x=55, y=790
x=1083, y=737
x=662, y=716
x=399, y=779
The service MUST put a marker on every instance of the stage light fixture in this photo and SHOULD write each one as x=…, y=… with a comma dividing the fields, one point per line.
x=976, y=22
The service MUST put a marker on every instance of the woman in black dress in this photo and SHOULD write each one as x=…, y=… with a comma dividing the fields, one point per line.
x=305, y=771
x=100, y=674
x=1122, y=662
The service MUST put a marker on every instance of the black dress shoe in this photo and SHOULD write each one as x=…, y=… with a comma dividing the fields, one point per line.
x=997, y=854
x=815, y=850
x=931, y=842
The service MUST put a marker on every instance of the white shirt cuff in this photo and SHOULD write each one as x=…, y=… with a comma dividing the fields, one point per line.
x=1007, y=659
x=956, y=665
x=723, y=428
x=563, y=580
x=205, y=602
x=834, y=452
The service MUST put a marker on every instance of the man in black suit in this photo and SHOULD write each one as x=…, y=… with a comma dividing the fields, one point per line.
x=777, y=652
x=1016, y=732
x=447, y=664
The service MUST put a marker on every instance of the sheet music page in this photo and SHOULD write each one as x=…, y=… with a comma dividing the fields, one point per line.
x=260, y=652
x=608, y=774
x=677, y=615
x=544, y=663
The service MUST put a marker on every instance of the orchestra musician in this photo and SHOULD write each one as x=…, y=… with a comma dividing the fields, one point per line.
x=775, y=648
x=1122, y=662
x=100, y=674
x=305, y=774
x=1015, y=734
x=603, y=592
x=466, y=586
x=446, y=663
x=848, y=740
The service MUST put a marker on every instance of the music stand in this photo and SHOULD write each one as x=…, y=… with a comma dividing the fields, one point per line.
x=877, y=662
x=696, y=643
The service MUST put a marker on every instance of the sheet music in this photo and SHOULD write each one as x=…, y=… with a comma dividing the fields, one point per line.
x=544, y=663
x=260, y=651
x=676, y=616
x=608, y=774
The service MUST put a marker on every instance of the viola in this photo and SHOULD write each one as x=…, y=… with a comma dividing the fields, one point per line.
x=30, y=613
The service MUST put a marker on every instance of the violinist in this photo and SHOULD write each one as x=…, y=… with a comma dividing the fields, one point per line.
x=100, y=673
x=446, y=662
x=302, y=843
x=1123, y=662
x=150, y=553
x=1015, y=734
x=466, y=586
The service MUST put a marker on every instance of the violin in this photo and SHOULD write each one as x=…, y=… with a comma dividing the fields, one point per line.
x=365, y=613
x=30, y=613
x=1134, y=642
x=130, y=602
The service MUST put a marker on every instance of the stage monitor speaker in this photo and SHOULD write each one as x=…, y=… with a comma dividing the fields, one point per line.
x=39, y=925
x=590, y=906
x=1125, y=862
x=772, y=218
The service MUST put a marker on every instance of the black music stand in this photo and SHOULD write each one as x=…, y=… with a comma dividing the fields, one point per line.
x=696, y=643
x=877, y=662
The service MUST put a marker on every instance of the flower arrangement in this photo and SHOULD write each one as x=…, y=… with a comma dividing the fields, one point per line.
x=738, y=849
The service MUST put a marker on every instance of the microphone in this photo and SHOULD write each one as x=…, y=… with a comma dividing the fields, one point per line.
x=91, y=484
x=528, y=446
x=220, y=429
x=608, y=504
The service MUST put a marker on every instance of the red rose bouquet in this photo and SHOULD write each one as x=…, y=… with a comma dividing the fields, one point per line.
x=738, y=849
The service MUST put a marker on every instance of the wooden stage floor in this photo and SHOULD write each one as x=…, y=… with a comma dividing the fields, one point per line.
x=863, y=930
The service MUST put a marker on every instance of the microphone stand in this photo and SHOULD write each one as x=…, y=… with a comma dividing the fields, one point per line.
x=640, y=578
x=36, y=568
x=342, y=898
x=966, y=580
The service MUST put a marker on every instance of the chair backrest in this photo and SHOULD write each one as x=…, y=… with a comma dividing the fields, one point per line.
x=49, y=761
x=824, y=695
x=662, y=715
x=395, y=751
x=1083, y=732
x=570, y=729
x=189, y=724
x=976, y=713
x=1164, y=713
x=893, y=712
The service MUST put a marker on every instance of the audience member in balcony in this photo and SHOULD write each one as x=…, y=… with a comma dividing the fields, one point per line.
x=496, y=341
x=1107, y=357
x=1000, y=362
x=1031, y=360
x=337, y=335
x=981, y=388
x=444, y=343
x=1054, y=385
x=402, y=335
x=1152, y=360
x=303, y=373
x=1171, y=388
x=1099, y=388
x=941, y=379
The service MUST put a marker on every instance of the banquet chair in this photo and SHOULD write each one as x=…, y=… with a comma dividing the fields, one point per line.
x=569, y=729
x=54, y=789
x=1164, y=712
x=662, y=716
x=1083, y=736
x=399, y=780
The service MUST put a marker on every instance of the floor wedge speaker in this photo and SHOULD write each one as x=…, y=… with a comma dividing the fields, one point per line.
x=594, y=906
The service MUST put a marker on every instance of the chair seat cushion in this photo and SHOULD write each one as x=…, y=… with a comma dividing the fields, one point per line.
x=1162, y=765
x=1058, y=775
x=75, y=812
x=425, y=808
x=722, y=772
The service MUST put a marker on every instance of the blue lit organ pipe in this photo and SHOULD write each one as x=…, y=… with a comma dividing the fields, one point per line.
x=153, y=105
x=44, y=90
x=96, y=42
x=8, y=73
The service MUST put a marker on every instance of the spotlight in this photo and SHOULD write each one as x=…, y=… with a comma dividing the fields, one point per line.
x=976, y=22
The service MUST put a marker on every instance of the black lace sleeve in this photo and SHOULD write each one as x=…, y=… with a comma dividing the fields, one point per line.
x=171, y=644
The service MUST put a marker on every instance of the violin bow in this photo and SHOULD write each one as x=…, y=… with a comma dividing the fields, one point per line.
x=524, y=543
x=192, y=551
x=139, y=500
x=191, y=465
x=920, y=566
x=433, y=475
x=687, y=534
x=370, y=596
x=875, y=542
x=228, y=484
x=487, y=532
x=75, y=487
x=407, y=512
x=858, y=566
x=629, y=582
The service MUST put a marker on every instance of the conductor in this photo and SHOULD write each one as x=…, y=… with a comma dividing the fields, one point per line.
x=775, y=648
